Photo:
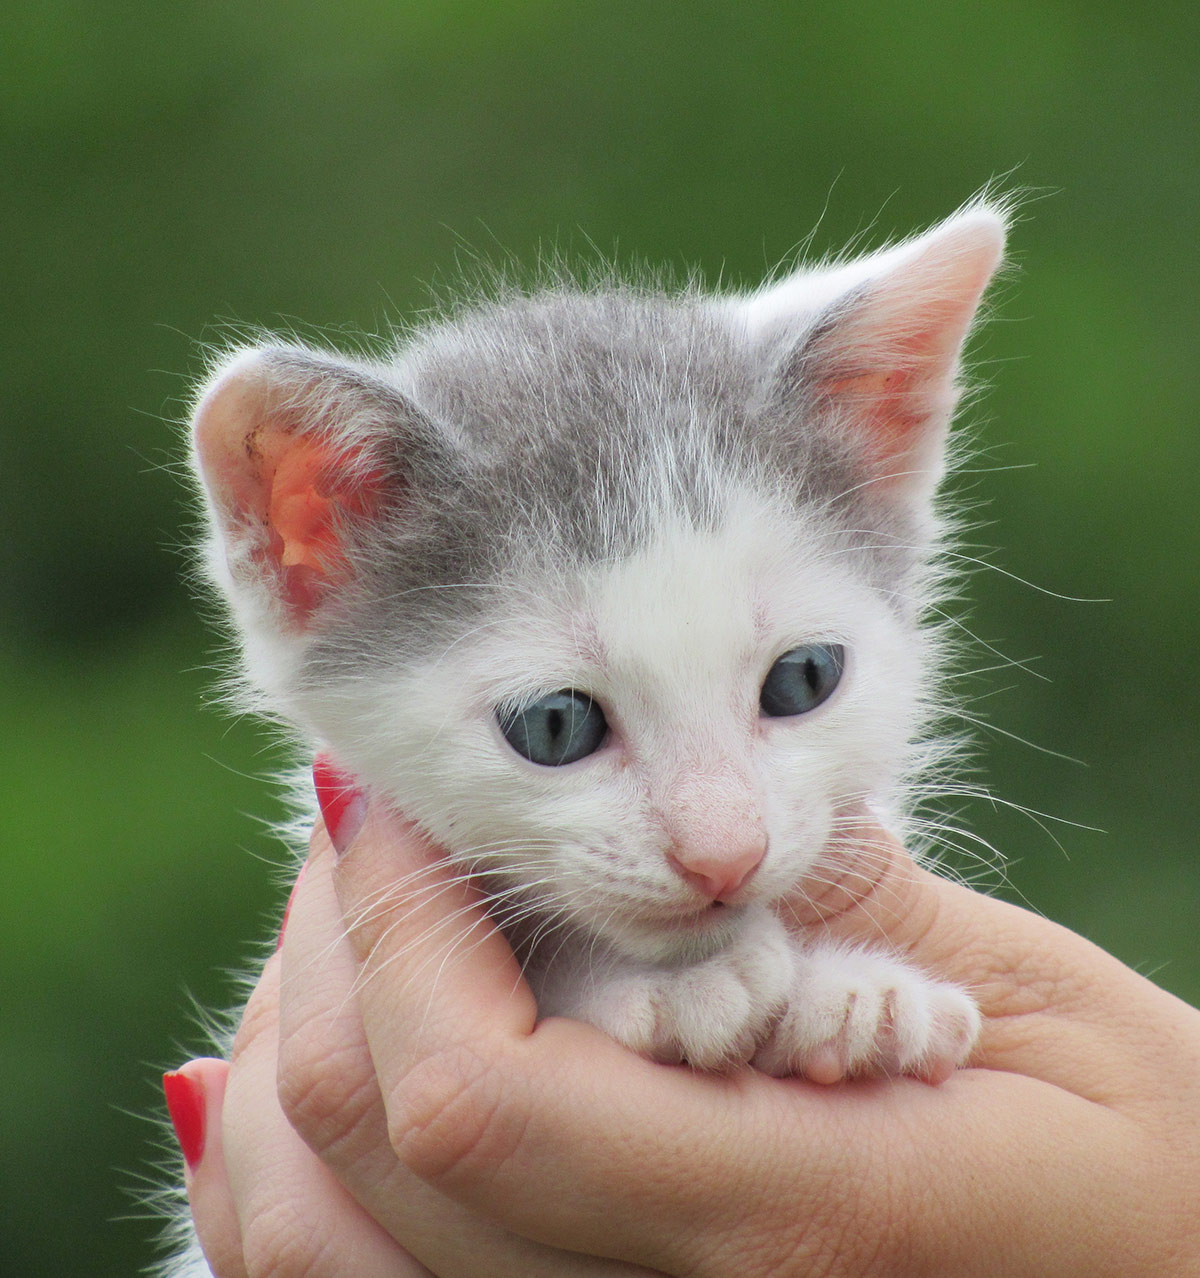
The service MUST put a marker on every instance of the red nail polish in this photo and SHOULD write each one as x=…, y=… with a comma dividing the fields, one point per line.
x=343, y=804
x=287, y=909
x=185, y=1104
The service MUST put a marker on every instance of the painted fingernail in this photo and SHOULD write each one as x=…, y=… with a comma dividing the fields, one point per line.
x=343, y=804
x=185, y=1104
x=287, y=909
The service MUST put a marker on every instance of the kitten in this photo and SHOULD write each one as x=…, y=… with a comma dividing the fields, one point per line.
x=617, y=594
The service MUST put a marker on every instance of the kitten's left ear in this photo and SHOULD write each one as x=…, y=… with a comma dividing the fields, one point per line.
x=877, y=356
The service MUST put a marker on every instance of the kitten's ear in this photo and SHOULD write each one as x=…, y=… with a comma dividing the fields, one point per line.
x=297, y=451
x=878, y=358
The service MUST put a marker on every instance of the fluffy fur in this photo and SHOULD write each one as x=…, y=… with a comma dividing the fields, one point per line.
x=648, y=498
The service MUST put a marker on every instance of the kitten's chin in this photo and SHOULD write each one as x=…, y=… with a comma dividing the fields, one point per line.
x=676, y=936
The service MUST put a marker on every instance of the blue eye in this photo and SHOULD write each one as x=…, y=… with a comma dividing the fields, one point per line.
x=556, y=729
x=802, y=678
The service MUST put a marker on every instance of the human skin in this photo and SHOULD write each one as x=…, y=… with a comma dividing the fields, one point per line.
x=394, y=1108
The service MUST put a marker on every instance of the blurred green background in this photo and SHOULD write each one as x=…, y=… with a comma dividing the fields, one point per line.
x=167, y=168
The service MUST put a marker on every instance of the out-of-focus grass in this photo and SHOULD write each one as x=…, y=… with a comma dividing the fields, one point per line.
x=131, y=860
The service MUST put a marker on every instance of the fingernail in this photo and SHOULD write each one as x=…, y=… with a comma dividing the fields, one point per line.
x=185, y=1104
x=343, y=804
x=287, y=909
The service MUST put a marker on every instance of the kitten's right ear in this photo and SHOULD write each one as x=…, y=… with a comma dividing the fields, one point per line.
x=297, y=452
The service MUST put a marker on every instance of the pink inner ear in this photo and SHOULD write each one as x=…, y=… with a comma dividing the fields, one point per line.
x=283, y=495
x=299, y=516
x=905, y=399
x=885, y=404
x=303, y=548
x=308, y=489
x=889, y=365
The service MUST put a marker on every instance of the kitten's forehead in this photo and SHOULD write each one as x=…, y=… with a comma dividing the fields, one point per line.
x=700, y=611
x=682, y=629
x=576, y=358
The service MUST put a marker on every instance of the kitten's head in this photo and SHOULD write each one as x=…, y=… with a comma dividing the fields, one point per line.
x=616, y=593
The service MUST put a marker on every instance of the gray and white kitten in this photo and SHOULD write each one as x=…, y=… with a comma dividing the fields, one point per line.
x=617, y=594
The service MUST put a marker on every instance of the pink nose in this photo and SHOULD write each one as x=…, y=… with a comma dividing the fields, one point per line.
x=718, y=877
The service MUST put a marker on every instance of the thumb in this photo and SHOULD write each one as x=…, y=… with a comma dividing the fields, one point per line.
x=558, y=1134
x=1052, y=1001
x=867, y=887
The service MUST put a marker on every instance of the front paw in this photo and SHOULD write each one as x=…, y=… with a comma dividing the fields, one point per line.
x=854, y=1013
x=711, y=1014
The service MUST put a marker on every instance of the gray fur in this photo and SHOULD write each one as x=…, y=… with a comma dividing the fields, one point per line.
x=539, y=431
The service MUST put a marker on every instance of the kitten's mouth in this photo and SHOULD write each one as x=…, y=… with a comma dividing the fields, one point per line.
x=700, y=919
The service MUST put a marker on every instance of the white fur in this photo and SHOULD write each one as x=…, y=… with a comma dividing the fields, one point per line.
x=675, y=644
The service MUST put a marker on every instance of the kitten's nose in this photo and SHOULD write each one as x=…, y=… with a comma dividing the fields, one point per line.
x=719, y=877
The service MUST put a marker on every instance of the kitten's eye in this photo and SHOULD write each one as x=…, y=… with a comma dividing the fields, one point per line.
x=801, y=679
x=556, y=729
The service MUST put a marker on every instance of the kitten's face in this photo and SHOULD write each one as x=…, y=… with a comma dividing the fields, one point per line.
x=673, y=645
x=645, y=504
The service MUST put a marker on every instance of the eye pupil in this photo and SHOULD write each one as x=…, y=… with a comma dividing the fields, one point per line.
x=802, y=679
x=556, y=729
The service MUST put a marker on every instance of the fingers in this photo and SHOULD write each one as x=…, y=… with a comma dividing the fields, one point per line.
x=545, y=1128
x=196, y=1094
x=261, y=1202
x=329, y=1091
x=1058, y=1008
x=293, y=1215
x=555, y=1132
x=407, y=910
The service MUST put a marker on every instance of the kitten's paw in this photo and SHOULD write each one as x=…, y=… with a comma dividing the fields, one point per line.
x=853, y=1013
x=712, y=1014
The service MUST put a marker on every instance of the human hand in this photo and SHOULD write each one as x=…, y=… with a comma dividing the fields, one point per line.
x=1072, y=1146
x=262, y=1201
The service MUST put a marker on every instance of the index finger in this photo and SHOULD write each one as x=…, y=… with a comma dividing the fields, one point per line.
x=410, y=911
x=330, y=1094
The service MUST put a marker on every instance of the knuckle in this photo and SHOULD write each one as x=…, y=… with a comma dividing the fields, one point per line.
x=327, y=1094
x=456, y=1118
x=1014, y=981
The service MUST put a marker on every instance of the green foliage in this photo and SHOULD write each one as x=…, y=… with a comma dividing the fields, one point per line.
x=173, y=169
